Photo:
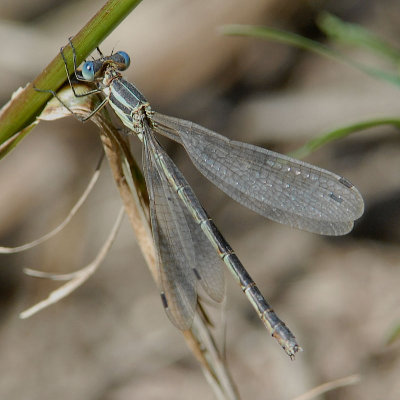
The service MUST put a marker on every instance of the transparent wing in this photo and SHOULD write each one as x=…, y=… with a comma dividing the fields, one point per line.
x=177, y=279
x=180, y=243
x=276, y=186
x=207, y=262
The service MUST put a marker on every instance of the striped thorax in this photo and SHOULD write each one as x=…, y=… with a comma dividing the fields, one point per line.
x=126, y=100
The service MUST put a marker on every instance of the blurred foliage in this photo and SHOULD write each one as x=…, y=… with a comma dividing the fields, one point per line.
x=337, y=31
x=313, y=46
x=394, y=335
x=356, y=35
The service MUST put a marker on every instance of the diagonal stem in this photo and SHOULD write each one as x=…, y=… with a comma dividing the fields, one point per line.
x=23, y=109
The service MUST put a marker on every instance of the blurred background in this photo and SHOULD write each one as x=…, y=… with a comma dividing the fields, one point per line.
x=110, y=339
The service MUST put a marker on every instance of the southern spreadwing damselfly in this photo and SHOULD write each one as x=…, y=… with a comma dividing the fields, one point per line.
x=189, y=246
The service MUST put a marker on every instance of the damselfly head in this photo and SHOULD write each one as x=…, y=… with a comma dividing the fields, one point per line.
x=88, y=71
x=125, y=60
x=93, y=69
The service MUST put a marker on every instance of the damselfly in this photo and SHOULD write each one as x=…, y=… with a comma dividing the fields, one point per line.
x=276, y=186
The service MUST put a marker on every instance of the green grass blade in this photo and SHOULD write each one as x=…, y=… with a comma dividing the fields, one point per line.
x=23, y=109
x=307, y=44
x=394, y=335
x=340, y=133
x=354, y=34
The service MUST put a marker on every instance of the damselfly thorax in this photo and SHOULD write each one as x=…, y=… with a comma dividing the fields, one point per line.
x=126, y=100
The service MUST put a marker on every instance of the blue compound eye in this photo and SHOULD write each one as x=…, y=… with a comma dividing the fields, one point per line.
x=88, y=71
x=126, y=59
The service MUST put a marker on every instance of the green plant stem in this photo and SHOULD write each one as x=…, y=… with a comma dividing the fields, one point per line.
x=24, y=108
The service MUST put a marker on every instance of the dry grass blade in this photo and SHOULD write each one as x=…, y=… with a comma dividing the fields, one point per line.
x=203, y=345
x=76, y=278
x=328, y=386
x=60, y=227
